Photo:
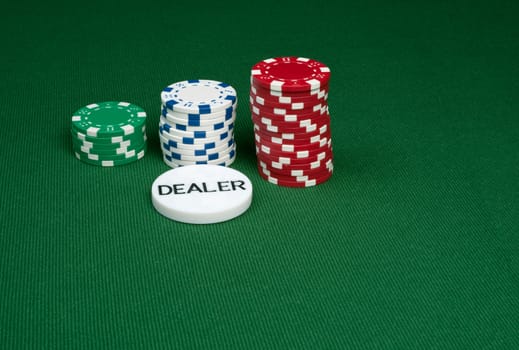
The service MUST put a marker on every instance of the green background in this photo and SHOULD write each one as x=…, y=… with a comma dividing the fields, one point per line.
x=413, y=243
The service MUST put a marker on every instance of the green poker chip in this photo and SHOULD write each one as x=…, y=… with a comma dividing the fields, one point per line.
x=108, y=119
x=107, y=152
x=120, y=154
x=111, y=161
x=137, y=135
x=134, y=143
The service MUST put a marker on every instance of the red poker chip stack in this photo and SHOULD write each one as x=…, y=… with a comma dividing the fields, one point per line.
x=288, y=102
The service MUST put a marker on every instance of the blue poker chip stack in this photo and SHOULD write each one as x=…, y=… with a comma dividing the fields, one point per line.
x=197, y=123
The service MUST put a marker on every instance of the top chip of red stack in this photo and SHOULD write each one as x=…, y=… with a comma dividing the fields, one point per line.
x=290, y=74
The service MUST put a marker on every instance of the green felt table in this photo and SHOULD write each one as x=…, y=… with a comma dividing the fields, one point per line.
x=412, y=244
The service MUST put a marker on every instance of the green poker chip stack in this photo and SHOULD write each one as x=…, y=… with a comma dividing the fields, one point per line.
x=109, y=133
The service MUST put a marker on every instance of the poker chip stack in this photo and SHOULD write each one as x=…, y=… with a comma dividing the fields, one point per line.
x=109, y=133
x=288, y=102
x=196, y=123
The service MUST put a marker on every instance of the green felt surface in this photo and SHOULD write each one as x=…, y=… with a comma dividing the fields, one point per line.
x=413, y=243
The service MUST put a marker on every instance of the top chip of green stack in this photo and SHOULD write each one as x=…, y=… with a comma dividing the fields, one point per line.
x=106, y=119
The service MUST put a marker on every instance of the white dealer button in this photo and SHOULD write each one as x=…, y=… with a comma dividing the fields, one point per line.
x=201, y=194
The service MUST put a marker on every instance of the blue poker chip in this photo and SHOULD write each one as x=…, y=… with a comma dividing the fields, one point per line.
x=203, y=119
x=198, y=96
x=200, y=149
x=201, y=160
x=167, y=131
x=229, y=152
x=197, y=134
x=197, y=120
x=179, y=163
x=197, y=151
x=190, y=140
x=217, y=125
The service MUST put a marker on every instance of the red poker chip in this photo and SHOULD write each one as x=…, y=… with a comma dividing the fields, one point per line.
x=288, y=104
x=269, y=92
x=317, y=96
x=292, y=134
x=299, y=175
x=292, y=108
x=290, y=74
x=294, y=161
x=279, y=161
x=295, y=143
x=260, y=90
x=310, y=167
x=284, y=110
x=321, y=168
x=289, y=118
x=272, y=164
x=306, y=125
x=296, y=175
x=300, y=153
x=305, y=181
x=286, y=147
x=303, y=130
x=314, y=139
x=289, y=135
x=259, y=110
x=291, y=139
